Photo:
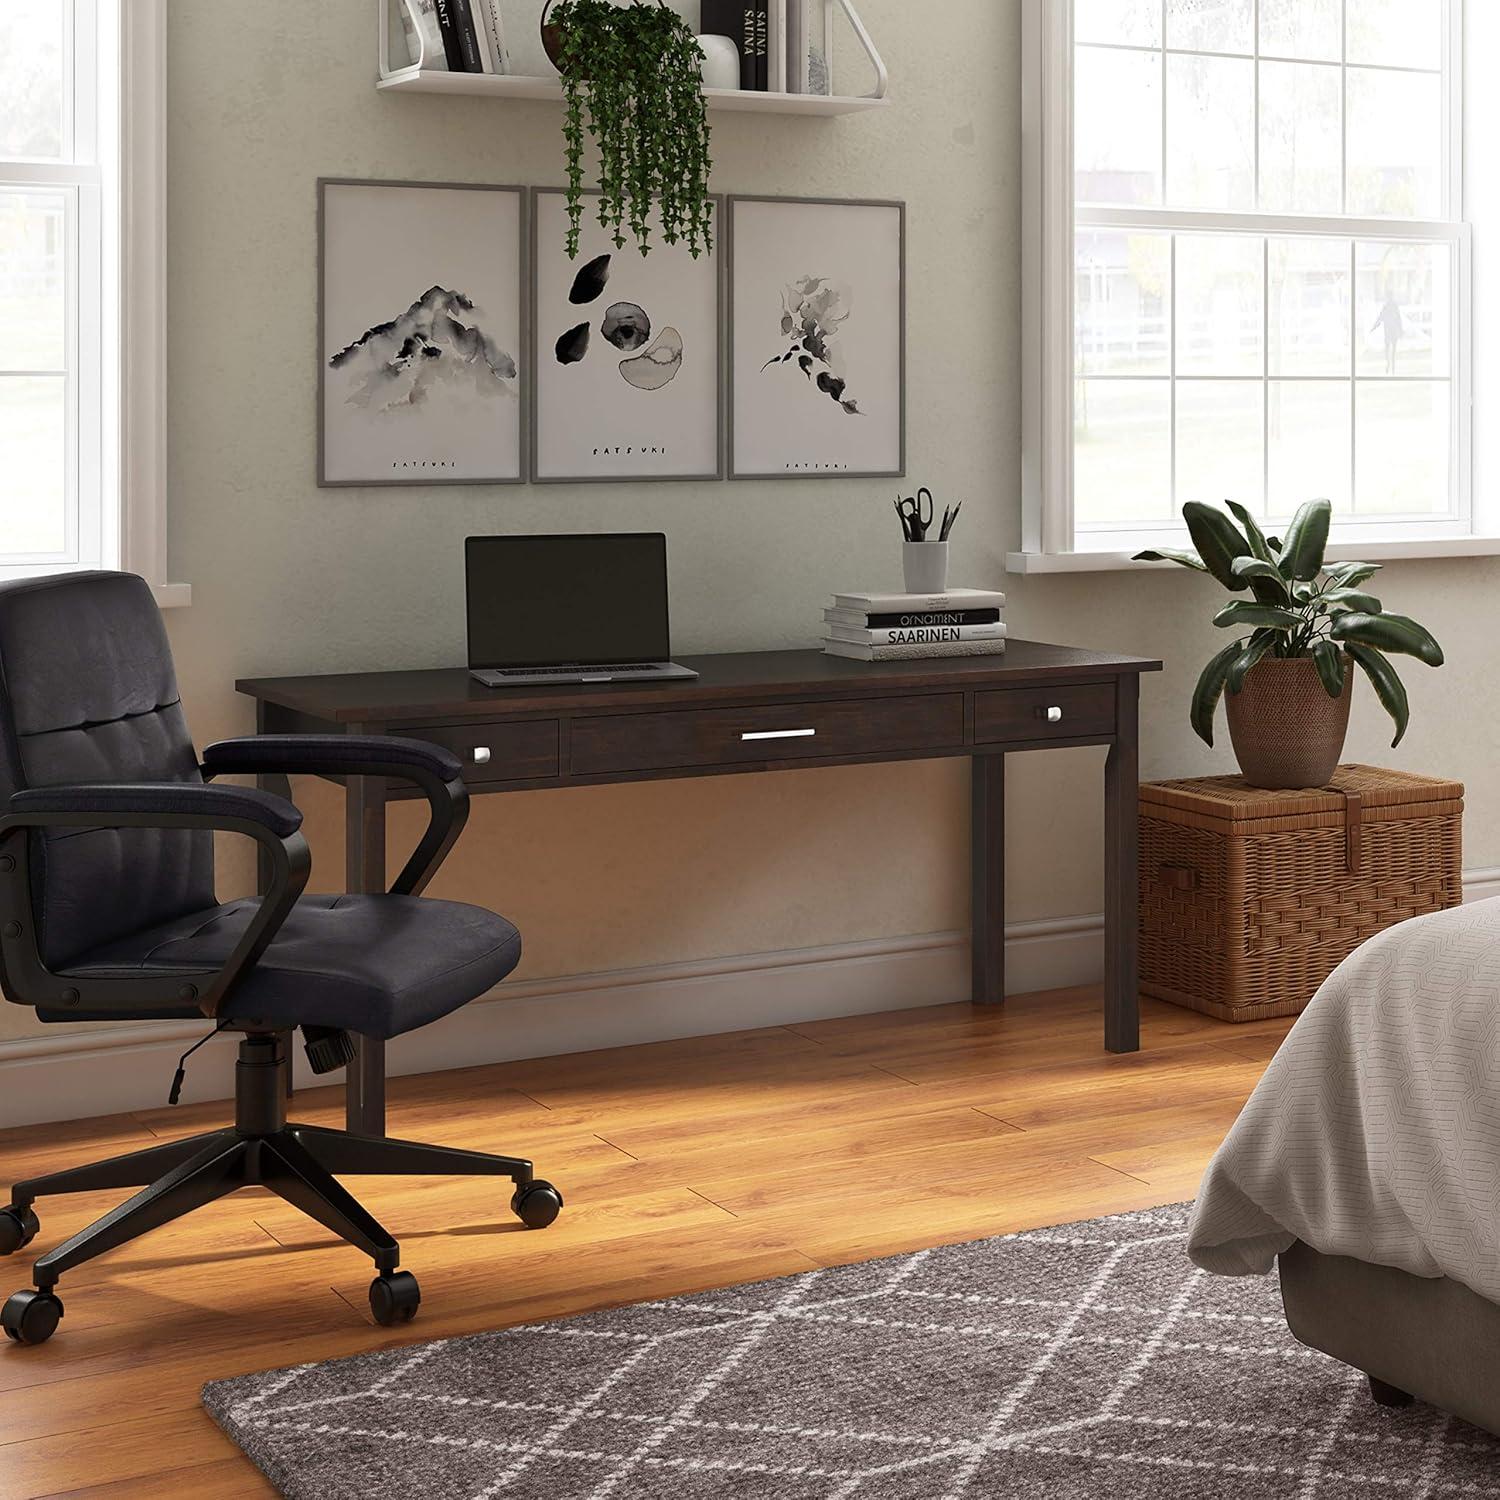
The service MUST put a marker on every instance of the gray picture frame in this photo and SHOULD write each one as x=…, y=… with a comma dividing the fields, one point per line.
x=733, y=200
x=533, y=325
x=523, y=305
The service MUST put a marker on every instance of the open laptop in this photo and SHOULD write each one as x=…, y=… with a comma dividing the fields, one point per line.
x=590, y=608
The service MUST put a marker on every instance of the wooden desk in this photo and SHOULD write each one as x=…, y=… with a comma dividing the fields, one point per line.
x=758, y=711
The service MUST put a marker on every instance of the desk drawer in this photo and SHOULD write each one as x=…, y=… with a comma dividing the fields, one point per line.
x=791, y=731
x=498, y=752
x=1055, y=713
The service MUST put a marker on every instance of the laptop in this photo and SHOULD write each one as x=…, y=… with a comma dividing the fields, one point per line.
x=589, y=608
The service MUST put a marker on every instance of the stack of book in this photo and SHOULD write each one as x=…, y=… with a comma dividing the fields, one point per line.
x=895, y=627
x=785, y=46
x=460, y=36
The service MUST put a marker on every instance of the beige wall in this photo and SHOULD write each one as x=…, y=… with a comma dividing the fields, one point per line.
x=289, y=578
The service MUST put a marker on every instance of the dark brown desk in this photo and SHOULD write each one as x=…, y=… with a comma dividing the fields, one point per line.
x=760, y=711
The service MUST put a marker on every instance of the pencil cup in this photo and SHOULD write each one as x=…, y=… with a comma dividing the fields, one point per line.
x=926, y=567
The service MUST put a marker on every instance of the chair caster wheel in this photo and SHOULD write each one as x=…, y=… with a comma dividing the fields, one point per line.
x=18, y=1227
x=395, y=1298
x=537, y=1204
x=31, y=1317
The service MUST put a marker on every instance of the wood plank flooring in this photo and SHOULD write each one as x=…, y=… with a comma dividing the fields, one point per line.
x=686, y=1165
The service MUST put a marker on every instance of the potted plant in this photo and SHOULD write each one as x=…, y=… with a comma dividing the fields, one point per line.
x=635, y=71
x=1289, y=678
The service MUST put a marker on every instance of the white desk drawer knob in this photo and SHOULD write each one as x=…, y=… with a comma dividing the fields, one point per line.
x=1054, y=715
x=481, y=755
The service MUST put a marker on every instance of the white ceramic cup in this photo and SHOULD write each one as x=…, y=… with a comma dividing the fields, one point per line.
x=925, y=565
x=721, y=62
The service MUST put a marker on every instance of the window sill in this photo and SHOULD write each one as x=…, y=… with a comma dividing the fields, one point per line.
x=1371, y=551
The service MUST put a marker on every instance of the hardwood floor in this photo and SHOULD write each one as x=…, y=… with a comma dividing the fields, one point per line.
x=686, y=1165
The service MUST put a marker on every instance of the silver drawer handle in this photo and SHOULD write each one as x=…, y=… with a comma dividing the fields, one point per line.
x=481, y=755
x=1054, y=714
x=778, y=734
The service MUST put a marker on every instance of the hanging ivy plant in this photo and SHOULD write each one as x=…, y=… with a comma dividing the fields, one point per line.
x=634, y=71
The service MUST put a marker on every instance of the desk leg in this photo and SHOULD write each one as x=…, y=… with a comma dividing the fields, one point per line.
x=987, y=859
x=364, y=872
x=279, y=786
x=1122, y=1006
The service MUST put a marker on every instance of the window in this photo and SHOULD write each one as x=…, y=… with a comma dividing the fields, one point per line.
x=81, y=310
x=1248, y=268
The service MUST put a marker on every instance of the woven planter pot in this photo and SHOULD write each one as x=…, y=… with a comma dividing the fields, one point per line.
x=1286, y=730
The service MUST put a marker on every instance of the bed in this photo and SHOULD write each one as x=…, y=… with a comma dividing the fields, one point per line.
x=1367, y=1162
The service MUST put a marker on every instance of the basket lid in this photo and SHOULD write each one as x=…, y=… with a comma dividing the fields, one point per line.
x=1234, y=800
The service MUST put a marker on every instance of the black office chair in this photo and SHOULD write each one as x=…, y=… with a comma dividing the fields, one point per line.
x=107, y=913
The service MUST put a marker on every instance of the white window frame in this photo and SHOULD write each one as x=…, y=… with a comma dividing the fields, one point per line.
x=117, y=299
x=1049, y=215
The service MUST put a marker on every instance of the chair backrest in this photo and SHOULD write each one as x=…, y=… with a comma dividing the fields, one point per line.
x=88, y=694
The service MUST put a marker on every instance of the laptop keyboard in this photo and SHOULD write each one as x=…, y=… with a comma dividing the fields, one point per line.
x=571, y=667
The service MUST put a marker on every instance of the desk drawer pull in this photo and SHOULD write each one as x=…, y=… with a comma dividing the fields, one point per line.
x=481, y=755
x=1052, y=714
x=778, y=734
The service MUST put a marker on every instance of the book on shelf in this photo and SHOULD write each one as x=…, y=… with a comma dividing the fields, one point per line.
x=879, y=604
x=776, y=80
x=480, y=22
x=492, y=33
x=860, y=652
x=447, y=19
x=424, y=34
x=864, y=620
x=914, y=635
x=762, y=45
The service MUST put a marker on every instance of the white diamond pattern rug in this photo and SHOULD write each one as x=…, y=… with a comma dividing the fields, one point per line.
x=1091, y=1360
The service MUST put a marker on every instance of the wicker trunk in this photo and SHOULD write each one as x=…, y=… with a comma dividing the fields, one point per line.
x=1250, y=898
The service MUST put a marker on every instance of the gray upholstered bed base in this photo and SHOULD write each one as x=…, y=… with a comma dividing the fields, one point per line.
x=1433, y=1339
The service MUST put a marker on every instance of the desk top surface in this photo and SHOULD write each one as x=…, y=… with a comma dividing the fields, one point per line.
x=450, y=693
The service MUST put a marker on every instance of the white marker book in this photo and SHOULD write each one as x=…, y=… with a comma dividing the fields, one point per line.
x=881, y=604
x=913, y=635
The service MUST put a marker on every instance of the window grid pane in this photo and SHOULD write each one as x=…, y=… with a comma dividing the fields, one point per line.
x=1342, y=350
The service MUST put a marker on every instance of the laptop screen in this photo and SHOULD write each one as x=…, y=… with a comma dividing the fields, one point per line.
x=544, y=601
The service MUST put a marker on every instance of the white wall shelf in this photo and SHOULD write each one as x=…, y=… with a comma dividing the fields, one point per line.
x=515, y=86
x=416, y=79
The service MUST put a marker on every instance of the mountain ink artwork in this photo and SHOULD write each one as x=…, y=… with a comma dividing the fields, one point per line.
x=436, y=343
x=426, y=390
x=813, y=310
x=817, y=324
x=613, y=332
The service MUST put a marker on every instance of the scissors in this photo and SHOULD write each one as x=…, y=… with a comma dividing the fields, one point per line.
x=916, y=514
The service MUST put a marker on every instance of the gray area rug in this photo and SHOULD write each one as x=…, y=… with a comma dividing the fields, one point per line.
x=1090, y=1360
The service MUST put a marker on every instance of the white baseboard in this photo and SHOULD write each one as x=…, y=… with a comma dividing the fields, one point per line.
x=67, y=1073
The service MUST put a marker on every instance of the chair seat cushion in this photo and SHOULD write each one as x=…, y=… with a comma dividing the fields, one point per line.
x=379, y=965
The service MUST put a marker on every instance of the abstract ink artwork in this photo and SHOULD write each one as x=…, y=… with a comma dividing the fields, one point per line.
x=627, y=354
x=420, y=333
x=817, y=358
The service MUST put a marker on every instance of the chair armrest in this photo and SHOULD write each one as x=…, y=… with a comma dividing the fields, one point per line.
x=435, y=771
x=353, y=754
x=271, y=821
x=275, y=813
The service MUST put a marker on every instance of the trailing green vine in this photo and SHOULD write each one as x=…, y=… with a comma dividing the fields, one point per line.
x=631, y=79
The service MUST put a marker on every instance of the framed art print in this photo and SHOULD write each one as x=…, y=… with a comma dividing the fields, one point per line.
x=420, y=333
x=817, y=311
x=626, y=353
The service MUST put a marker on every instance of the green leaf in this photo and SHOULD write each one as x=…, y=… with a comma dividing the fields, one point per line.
x=1268, y=616
x=1218, y=540
x=1350, y=574
x=1260, y=643
x=1330, y=664
x=1352, y=599
x=1306, y=540
x=1304, y=593
x=1274, y=543
x=1255, y=570
x=1253, y=534
x=1171, y=554
x=1388, y=686
x=1209, y=690
x=1388, y=633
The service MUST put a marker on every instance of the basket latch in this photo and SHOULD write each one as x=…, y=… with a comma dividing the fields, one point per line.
x=1354, y=807
x=1178, y=877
